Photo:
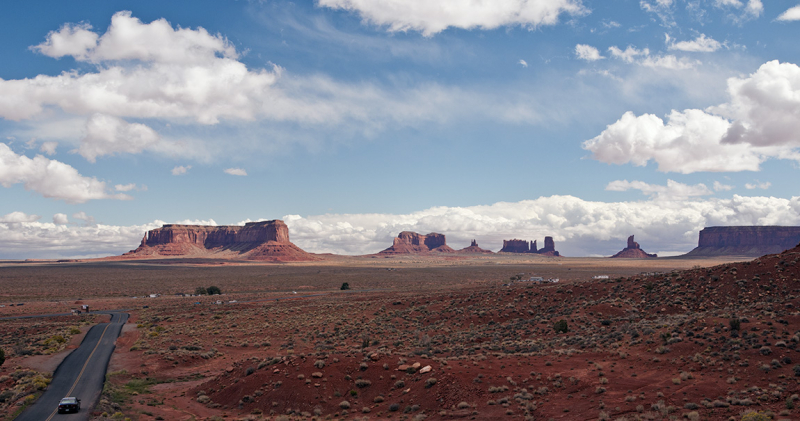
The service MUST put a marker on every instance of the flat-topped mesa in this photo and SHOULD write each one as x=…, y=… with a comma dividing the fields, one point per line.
x=474, y=248
x=749, y=241
x=266, y=240
x=408, y=242
x=522, y=246
x=633, y=251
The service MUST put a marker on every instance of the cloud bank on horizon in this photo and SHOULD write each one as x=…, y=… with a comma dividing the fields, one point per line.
x=688, y=101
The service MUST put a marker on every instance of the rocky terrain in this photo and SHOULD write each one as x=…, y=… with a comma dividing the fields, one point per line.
x=522, y=246
x=749, y=241
x=263, y=241
x=633, y=251
x=408, y=242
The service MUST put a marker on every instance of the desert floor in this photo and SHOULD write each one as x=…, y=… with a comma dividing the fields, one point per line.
x=418, y=337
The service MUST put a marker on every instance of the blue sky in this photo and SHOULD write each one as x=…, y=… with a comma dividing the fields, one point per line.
x=354, y=120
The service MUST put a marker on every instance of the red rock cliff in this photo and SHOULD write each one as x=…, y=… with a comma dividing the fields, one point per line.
x=633, y=251
x=408, y=242
x=752, y=241
x=266, y=240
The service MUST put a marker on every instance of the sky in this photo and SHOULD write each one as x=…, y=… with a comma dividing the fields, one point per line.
x=353, y=120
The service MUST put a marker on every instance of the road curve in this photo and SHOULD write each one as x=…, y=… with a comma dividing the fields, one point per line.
x=81, y=374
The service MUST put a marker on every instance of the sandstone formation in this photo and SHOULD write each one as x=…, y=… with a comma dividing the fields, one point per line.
x=266, y=241
x=633, y=251
x=473, y=248
x=408, y=242
x=522, y=246
x=749, y=241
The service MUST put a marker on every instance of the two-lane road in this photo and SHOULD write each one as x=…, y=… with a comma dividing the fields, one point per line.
x=81, y=374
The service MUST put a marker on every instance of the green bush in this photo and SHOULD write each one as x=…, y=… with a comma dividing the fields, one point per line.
x=735, y=324
x=561, y=326
x=200, y=291
x=213, y=290
x=345, y=286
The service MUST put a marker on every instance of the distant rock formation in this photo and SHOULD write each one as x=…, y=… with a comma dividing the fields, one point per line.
x=633, y=251
x=522, y=246
x=473, y=248
x=266, y=241
x=408, y=242
x=748, y=241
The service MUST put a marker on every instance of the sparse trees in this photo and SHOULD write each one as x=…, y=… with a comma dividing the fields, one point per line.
x=345, y=286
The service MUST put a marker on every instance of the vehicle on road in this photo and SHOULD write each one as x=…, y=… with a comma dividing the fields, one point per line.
x=69, y=404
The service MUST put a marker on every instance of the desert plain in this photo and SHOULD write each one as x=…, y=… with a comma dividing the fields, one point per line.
x=418, y=337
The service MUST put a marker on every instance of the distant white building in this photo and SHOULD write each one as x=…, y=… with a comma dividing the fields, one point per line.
x=600, y=277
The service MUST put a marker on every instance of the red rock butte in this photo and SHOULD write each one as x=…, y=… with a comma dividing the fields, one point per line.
x=408, y=242
x=750, y=241
x=633, y=251
x=522, y=246
x=474, y=248
x=264, y=241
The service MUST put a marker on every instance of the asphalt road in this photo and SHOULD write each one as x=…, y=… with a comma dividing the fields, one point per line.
x=81, y=374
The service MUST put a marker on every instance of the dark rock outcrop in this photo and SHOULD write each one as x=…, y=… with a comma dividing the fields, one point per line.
x=522, y=246
x=750, y=241
x=408, y=242
x=473, y=248
x=633, y=251
x=266, y=240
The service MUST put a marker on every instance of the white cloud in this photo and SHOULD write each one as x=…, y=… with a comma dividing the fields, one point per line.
x=236, y=171
x=758, y=185
x=129, y=187
x=791, y=14
x=156, y=74
x=587, y=52
x=87, y=219
x=181, y=169
x=751, y=10
x=722, y=187
x=107, y=135
x=759, y=122
x=60, y=219
x=661, y=8
x=523, y=63
x=18, y=217
x=643, y=58
x=701, y=44
x=672, y=191
x=433, y=16
x=48, y=148
x=50, y=178
x=579, y=227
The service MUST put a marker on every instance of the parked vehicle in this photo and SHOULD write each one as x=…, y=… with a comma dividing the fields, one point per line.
x=69, y=404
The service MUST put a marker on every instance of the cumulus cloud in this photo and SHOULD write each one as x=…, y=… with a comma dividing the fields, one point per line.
x=129, y=187
x=236, y=171
x=108, y=135
x=181, y=169
x=87, y=219
x=433, y=16
x=17, y=217
x=523, y=63
x=154, y=74
x=672, y=191
x=759, y=122
x=579, y=227
x=51, y=178
x=701, y=44
x=587, y=52
x=758, y=185
x=60, y=219
x=791, y=14
x=642, y=57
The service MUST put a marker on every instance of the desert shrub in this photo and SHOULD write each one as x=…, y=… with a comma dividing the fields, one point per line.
x=735, y=324
x=249, y=371
x=765, y=350
x=362, y=383
x=561, y=326
x=2, y=356
x=345, y=286
x=462, y=405
x=344, y=405
x=398, y=384
x=378, y=399
x=319, y=364
x=213, y=290
x=200, y=291
x=755, y=416
x=394, y=407
x=430, y=382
